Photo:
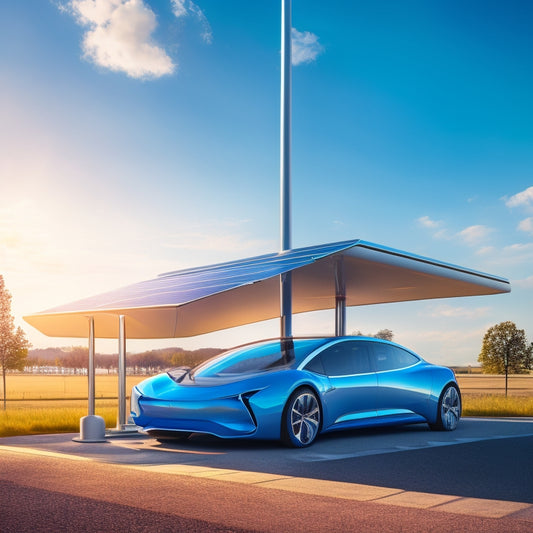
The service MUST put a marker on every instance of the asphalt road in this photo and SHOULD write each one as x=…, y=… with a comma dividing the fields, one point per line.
x=406, y=479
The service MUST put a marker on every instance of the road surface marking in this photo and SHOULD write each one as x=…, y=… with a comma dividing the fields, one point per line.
x=34, y=451
x=331, y=489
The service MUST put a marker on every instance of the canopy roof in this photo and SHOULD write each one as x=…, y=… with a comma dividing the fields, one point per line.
x=200, y=300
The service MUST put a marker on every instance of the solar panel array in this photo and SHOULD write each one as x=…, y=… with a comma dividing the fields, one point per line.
x=183, y=286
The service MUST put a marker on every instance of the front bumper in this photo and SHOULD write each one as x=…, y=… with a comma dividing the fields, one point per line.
x=224, y=417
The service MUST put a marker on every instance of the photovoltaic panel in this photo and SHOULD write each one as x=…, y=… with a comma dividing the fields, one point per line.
x=199, y=300
x=181, y=287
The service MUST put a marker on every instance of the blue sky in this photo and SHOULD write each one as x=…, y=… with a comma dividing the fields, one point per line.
x=142, y=136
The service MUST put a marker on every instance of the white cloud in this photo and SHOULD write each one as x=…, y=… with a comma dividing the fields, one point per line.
x=447, y=311
x=442, y=235
x=427, y=222
x=486, y=251
x=526, y=225
x=524, y=283
x=305, y=47
x=178, y=7
x=474, y=234
x=522, y=199
x=448, y=346
x=513, y=255
x=182, y=8
x=119, y=37
x=440, y=232
x=519, y=249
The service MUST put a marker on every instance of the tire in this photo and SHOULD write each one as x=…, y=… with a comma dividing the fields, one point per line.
x=449, y=410
x=301, y=419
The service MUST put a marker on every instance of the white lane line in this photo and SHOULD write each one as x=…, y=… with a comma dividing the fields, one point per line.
x=518, y=419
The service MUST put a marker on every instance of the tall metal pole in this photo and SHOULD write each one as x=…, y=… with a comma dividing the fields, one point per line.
x=121, y=372
x=285, y=165
x=90, y=369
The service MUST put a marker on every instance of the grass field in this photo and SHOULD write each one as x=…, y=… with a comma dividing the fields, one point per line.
x=484, y=395
x=519, y=385
x=47, y=387
x=54, y=404
x=30, y=418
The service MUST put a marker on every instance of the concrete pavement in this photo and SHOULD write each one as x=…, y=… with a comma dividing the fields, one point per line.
x=334, y=466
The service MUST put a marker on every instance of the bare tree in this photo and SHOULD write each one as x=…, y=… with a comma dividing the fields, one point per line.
x=76, y=357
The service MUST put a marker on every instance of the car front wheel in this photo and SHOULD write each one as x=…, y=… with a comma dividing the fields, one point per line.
x=301, y=419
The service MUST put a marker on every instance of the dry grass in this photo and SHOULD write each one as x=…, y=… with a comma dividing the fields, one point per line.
x=497, y=405
x=518, y=385
x=43, y=387
x=54, y=404
x=29, y=418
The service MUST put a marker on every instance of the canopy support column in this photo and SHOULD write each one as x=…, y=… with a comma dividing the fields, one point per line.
x=92, y=427
x=340, y=299
x=91, y=370
x=123, y=429
x=286, y=304
x=121, y=422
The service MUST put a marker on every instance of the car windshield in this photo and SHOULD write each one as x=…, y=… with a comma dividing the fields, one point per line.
x=256, y=358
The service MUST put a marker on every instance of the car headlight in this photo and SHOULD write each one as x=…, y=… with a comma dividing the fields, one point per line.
x=134, y=402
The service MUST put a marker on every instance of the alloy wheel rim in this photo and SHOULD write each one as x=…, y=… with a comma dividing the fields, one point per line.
x=305, y=418
x=451, y=408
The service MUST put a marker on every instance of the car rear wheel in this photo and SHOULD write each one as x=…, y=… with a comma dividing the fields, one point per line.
x=301, y=419
x=449, y=411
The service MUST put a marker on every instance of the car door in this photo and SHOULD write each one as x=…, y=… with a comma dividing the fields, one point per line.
x=401, y=388
x=352, y=394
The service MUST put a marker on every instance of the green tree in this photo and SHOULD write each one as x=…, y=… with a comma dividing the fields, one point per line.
x=385, y=334
x=13, y=343
x=505, y=350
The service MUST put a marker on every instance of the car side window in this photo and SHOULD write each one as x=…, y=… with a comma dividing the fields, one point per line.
x=345, y=359
x=388, y=357
x=315, y=365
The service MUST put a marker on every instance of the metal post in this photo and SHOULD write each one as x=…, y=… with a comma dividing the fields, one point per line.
x=285, y=125
x=285, y=165
x=90, y=369
x=286, y=304
x=121, y=373
x=92, y=427
x=340, y=299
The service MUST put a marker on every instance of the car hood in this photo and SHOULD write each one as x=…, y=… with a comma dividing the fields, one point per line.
x=163, y=387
